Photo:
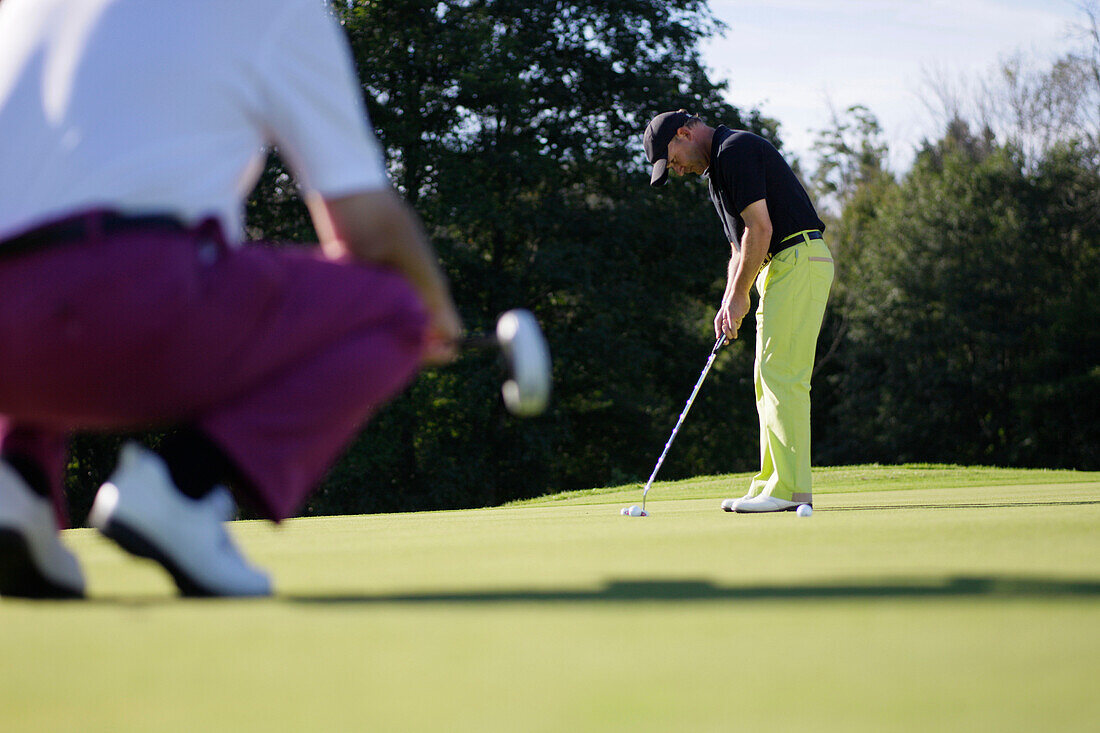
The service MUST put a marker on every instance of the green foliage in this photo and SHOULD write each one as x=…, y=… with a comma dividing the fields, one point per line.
x=851, y=156
x=515, y=129
x=972, y=315
x=963, y=321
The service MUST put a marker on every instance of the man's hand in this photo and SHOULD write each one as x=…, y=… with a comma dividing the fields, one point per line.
x=729, y=316
x=444, y=332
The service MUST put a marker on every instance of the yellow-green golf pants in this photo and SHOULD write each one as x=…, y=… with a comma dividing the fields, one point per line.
x=793, y=289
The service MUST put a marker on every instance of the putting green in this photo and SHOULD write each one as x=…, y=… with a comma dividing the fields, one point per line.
x=915, y=598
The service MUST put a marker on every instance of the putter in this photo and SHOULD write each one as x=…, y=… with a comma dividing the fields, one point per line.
x=526, y=355
x=713, y=353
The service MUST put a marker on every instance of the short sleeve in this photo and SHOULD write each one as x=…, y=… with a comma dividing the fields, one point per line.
x=743, y=165
x=312, y=107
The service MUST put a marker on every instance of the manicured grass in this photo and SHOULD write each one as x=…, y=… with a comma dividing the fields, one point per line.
x=916, y=598
x=845, y=479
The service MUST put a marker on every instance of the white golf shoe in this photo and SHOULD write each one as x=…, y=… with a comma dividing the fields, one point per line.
x=761, y=504
x=141, y=509
x=33, y=562
x=729, y=505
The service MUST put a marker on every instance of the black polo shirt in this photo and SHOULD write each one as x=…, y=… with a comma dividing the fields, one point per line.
x=745, y=168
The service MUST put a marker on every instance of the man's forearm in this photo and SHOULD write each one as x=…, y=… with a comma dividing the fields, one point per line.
x=754, y=248
x=731, y=273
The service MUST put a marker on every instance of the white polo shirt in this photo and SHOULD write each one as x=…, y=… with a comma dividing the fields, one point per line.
x=148, y=106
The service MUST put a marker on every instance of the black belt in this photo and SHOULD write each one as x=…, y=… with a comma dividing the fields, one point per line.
x=80, y=226
x=792, y=240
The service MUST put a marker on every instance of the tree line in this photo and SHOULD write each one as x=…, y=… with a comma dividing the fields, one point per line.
x=963, y=326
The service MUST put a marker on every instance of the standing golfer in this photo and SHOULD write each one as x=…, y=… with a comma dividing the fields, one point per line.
x=776, y=240
x=130, y=133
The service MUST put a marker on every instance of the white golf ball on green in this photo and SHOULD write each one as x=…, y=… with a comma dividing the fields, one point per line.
x=804, y=510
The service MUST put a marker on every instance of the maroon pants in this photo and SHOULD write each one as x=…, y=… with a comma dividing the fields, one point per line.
x=278, y=355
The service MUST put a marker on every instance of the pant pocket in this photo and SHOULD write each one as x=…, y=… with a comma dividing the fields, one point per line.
x=820, y=262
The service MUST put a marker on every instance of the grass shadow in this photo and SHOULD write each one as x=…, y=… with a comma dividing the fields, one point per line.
x=957, y=505
x=618, y=591
x=658, y=591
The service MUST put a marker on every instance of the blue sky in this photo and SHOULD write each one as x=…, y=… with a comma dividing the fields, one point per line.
x=796, y=59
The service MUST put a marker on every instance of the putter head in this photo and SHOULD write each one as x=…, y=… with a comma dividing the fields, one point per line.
x=527, y=390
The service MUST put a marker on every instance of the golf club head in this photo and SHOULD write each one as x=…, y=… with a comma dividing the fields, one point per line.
x=527, y=390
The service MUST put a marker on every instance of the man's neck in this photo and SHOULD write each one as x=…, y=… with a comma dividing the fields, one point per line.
x=706, y=140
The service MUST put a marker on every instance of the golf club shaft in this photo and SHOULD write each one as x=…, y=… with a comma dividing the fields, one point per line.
x=478, y=341
x=713, y=353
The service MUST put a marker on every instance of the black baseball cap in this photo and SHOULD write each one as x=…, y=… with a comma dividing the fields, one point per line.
x=658, y=135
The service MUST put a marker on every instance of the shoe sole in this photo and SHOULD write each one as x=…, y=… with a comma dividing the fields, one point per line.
x=135, y=544
x=20, y=576
x=776, y=511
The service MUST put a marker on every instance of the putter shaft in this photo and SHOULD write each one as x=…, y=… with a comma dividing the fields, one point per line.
x=710, y=360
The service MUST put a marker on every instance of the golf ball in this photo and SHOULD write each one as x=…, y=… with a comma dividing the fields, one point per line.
x=804, y=510
x=635, y=511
